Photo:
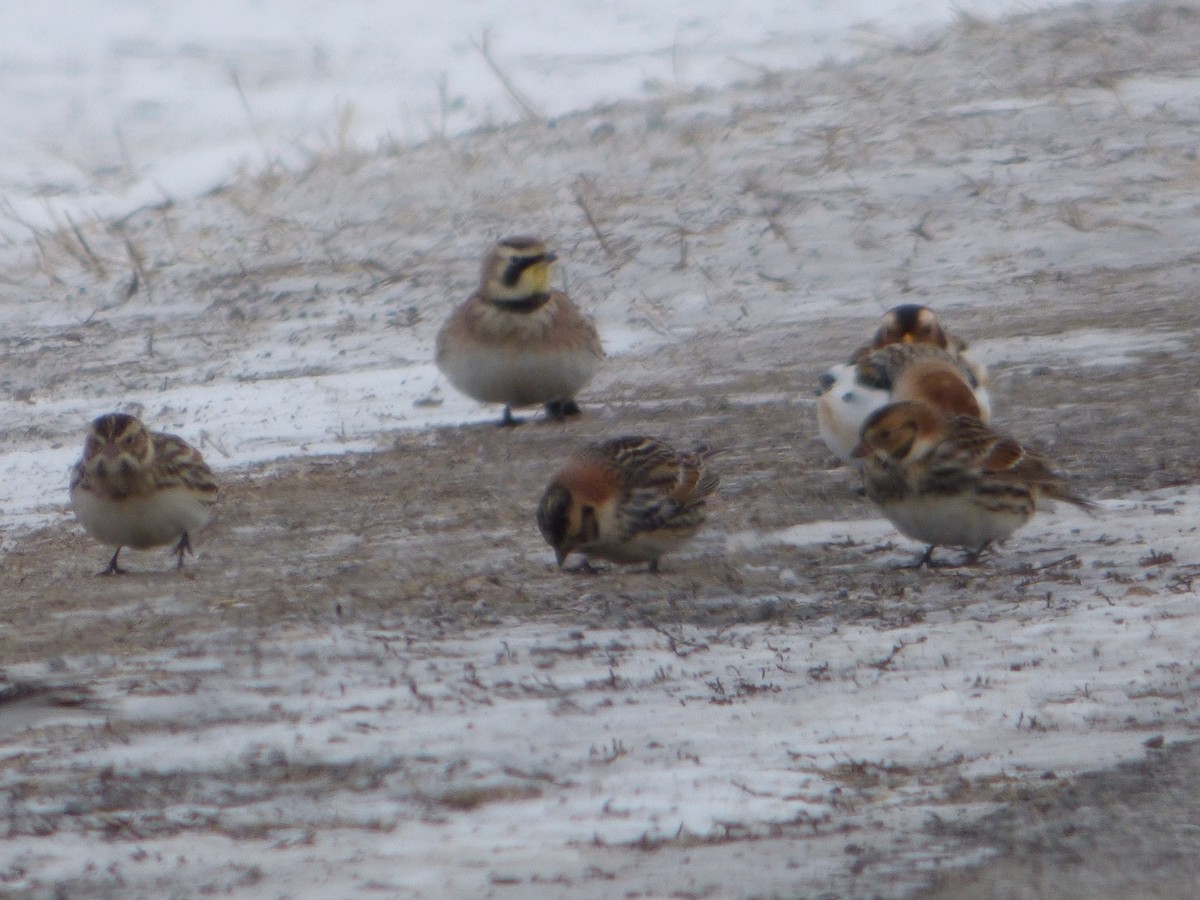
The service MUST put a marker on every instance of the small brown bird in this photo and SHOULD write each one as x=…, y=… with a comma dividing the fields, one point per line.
x=950, y=480
x=627, y=500
x=138, y=488
x=909, y=323
x=912, y=323
x=518, y=341
x=896, y=372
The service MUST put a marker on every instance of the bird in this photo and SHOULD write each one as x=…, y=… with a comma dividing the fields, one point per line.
x=139, y=488
x=518, y=341
x=950, y=480
x=910, y=323
x=628, y=499
x=892, y=373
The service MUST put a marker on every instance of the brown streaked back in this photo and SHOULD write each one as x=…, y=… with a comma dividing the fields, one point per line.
x=938, y=383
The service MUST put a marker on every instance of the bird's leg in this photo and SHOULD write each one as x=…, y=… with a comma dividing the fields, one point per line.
x=113, y=568
x=558, y=410
x=974, y=556
x=508, y=420
x=925, y=559
x=184, y=545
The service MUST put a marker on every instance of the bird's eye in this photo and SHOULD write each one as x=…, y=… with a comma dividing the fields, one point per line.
x=127, y=440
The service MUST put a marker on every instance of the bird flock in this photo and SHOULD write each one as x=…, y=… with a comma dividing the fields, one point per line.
x=910, y=410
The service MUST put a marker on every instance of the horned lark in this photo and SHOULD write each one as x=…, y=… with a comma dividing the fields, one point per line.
x=896, y=372
x=950, y=480
x=518, y=341
x=627, y=500
x=139, y=488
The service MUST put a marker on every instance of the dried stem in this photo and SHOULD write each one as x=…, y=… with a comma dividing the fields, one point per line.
x=532, y=113
x=591, y=220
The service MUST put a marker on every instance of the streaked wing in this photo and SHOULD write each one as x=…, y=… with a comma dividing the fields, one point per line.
x=664, y=489
x=1007, y=458
x=179, y=463
x=642, y=462
x=703, y=482
x=1002, y=459
x=881, y=368
x=649, y=510
x=973, y=444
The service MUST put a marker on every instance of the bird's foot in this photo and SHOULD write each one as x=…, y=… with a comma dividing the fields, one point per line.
x=184, y=546
x=508, y=420
x=113, y=568
x=560, y=410
x=974, y=557
x=923, y=561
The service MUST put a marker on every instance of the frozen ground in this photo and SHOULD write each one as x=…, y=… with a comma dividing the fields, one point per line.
x=372, y=680
x=111, y=105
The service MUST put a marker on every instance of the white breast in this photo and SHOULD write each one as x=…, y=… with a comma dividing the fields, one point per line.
x=520, y=377
x=952, y=521
x=142, y=521
x=843, y=408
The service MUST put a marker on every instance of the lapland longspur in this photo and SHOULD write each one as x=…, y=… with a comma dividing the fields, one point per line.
x=912, y=371
x=518, y=341
x=627, y=500
x=950, y=480
x=138, y=488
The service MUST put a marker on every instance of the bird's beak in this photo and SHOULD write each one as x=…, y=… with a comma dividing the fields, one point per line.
x=860, y=451
x=111, y=450
x=560, y=554
x=907, y=339
x=550, y=256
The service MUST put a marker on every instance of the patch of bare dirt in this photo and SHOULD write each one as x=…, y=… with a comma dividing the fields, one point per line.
x=439, y=531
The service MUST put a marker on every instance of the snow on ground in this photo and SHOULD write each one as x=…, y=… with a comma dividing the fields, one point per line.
x=284, y=386
x=513, y=761
x=111, y=106
x=293, y=314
